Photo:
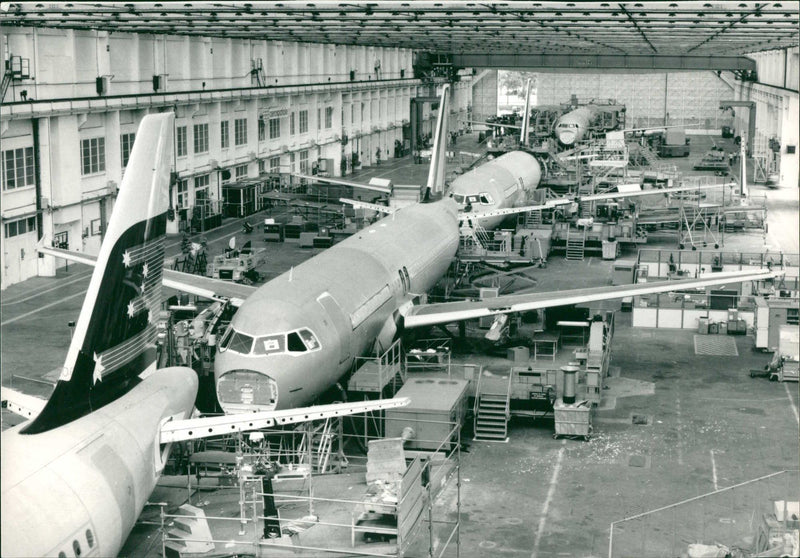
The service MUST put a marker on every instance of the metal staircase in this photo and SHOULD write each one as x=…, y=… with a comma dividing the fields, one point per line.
x=188, y=534
x=492, y=408
x=474, y=236
x=649, y=155
x=576, y=244
x=533, y=218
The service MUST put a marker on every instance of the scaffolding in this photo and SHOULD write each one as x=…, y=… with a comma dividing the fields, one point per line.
x=264, y=516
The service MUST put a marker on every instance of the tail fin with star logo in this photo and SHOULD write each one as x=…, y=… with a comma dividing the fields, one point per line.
x=114, y=343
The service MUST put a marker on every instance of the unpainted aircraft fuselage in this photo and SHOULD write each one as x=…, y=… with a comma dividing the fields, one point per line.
x=499, y=184
x=299, y=333
x=90, y=478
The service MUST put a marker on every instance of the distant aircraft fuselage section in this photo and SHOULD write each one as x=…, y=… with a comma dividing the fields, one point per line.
x=299, y=333
x=499, y=184
x=571, y=127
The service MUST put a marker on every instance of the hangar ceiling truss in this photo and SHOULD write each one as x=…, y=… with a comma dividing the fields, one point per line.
x=511, y=27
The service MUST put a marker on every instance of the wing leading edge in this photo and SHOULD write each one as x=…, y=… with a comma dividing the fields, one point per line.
x=206, y=287
x=441, y=313
x=192, y=429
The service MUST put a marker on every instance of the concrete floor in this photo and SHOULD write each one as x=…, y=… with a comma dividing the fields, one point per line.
x=710, y=425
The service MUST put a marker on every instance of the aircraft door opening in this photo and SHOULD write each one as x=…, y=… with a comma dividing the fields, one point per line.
x=340, y=322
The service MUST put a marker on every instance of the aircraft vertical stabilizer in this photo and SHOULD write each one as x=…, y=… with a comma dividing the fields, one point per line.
x=115, y=336
x=439, y=151
x=526, y=116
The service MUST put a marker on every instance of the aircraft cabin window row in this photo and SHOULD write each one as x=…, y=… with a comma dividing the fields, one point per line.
x=298, y=341
x=76, y=546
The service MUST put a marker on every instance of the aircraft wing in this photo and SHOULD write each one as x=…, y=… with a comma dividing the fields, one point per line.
x=22, y=404
x=634, y=194
x=431, y=314
x=495, y=124
x=626, y=130
x=366, y=205
x=207, y=287
x=213, y=289
x=339, y=181
x=513, y=210
x=194, y=428
x=591, y=197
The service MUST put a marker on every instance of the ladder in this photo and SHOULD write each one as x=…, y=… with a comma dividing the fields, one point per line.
x=533, y=218
x=187, y=534
x=6, y=81
x=492, y=409
x=649, y=155
x=474, y=235
x=576, y=243
x=316, y=447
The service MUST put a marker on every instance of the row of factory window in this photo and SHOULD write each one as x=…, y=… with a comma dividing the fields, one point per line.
x=267, y=129
x=19, y=227
x=18, y=164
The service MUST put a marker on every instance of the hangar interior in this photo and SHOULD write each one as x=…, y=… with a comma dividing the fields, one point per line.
x=575, y=380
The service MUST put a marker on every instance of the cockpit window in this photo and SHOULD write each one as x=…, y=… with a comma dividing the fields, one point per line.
x=226, y=338
x=298, y=341
x=240, y=343
x=269, y=344
x=567, y=125
x=294, y=344
x=309, y=339
x=486, y=199
x=459, y=198
x=472, y=199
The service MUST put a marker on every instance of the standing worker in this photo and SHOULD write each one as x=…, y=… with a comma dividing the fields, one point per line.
x=378, y=156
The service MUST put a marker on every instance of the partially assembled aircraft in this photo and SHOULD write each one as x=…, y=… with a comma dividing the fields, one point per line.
x=501, y=183
x=297, y=335
x=572, y=127
x=498, y=184
x=76, y=475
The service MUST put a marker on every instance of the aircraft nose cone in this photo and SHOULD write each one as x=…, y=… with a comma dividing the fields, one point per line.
x=241, y=390
x=567, y=137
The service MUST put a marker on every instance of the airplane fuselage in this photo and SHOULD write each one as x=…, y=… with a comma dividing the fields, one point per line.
x=88, y=480
x=499, y=184
x=298, y=334
x=570, y=128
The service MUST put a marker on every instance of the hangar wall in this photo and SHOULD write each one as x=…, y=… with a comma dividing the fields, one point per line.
x=685, y=97
x=484, y=95
x=776, y=95
x=246, y=107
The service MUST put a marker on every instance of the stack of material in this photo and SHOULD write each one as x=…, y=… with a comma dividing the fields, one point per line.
x=386, y=460
x=386, y=465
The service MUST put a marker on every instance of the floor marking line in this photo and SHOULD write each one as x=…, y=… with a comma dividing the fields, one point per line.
x=40, y=293
x=45, y=307
x=714, y=470
x=680, y=431
x=746, y=399
x=550, y=493
x=791, y=402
